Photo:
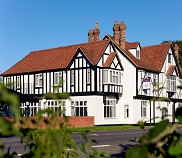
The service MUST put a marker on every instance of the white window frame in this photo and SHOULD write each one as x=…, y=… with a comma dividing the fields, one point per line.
x=179, y=105
x=105, y=76
x=57, y=78
x=79, y=108
x=171, y=83
x=126, y=111
x=28, y=109
x=110, y=108
x=38, y=80
x=88, y=75
x=72, y=77
x=8, y=82
x=115, y=77
x=164, y=111
x=137, y=54
x=143, y=108
x=57, y=106
x=18, y=83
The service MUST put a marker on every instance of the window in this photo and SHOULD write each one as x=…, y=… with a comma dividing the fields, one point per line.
x=179, y=105
x=138, y=54
x=57, y=106
x=29, y=109
x=57, y=78
x=143, y=108
x=38, y=80
x=164, y=112
x=126, y=111
x=171, y=83
x=105, y=76
x=169, y=58
x=147, y=75
x=18, y=82
x=115, y=77
x=79, y=108
x=8, y=82
x=88, y=75
x=72, y=73
x=110, y=108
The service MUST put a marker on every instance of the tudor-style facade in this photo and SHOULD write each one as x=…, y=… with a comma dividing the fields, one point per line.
x=110, y=79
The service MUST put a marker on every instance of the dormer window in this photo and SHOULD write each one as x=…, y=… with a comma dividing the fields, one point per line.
x=138, y=54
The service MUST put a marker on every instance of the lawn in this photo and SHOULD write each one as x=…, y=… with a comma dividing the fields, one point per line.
x=103, y=128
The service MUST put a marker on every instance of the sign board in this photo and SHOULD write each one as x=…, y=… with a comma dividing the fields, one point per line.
x=146, y=83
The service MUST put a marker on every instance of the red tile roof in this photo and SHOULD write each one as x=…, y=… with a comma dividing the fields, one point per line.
x=57, y=58
x=132, y=45
x=170, y=70
x=109, y=59
x=155, y=55
x=151, y=57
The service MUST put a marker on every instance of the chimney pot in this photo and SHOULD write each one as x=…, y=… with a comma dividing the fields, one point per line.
x=116, y=32
x=122, y=34
x=96, y=32
x=91, y=36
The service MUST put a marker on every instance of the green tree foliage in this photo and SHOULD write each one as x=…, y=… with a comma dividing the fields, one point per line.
x=48, y=142
x=164, y=140
x=179, y=43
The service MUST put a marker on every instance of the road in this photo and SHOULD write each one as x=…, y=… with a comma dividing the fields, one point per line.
x=114, y=143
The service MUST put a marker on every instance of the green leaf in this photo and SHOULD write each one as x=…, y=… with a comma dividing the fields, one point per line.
x=178, y=114
x=160, y=130
x=137, y=152
x=175, y=149
x=83, y=148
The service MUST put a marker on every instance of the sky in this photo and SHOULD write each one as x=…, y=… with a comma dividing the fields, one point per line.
x=30, y=25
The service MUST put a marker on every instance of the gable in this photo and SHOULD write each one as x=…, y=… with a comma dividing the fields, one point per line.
x=79, y=60
x=170, y=64
x=113, y=61
x=171, y=70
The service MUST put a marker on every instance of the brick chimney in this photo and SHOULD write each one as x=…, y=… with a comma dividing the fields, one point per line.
x=176, y=51
x=116, y=32
x=91, y=36
x=122, y=27
x=96, y=32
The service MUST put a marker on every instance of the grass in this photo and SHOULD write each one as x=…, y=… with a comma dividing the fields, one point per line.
x=103, y=128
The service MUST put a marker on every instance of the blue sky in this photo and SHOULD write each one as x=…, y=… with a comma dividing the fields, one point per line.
x=29, y=25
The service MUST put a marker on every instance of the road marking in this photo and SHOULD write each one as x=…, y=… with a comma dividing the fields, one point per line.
x=94, y=134
x=19, y=155
x=125, y=134
x=9, y=141
x=100, y=146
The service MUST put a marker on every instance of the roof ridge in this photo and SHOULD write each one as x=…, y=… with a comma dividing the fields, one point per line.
x=81, y=44
x=157, y=44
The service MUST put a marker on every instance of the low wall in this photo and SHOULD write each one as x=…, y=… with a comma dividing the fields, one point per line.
x=48, y=122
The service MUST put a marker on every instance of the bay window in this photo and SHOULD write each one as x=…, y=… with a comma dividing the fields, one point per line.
x=112, y=76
